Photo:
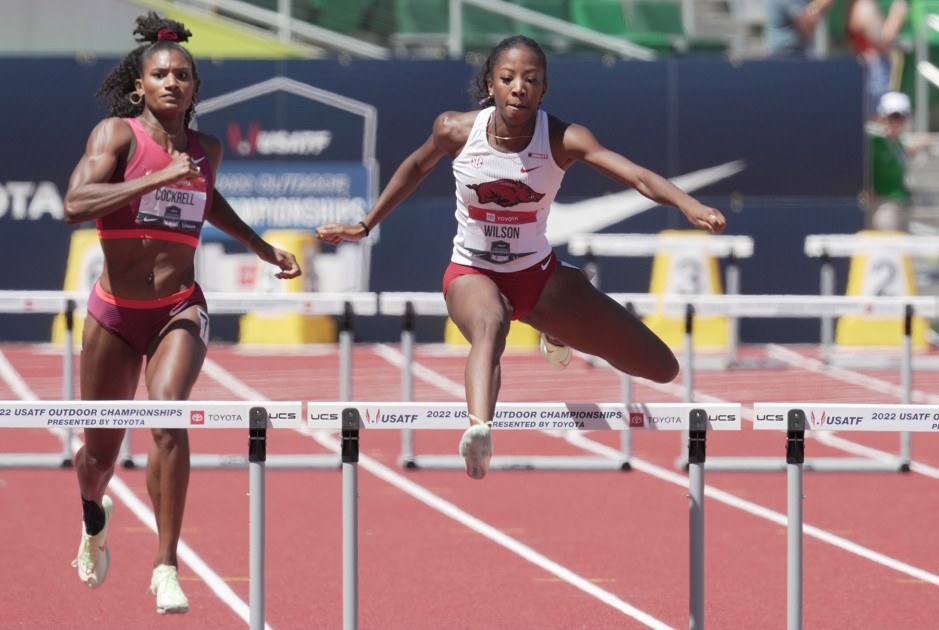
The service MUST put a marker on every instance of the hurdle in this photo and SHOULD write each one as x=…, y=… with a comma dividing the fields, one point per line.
x=828, y=246
x=257, y=417
x=345, y=306
x=803, y=306
x=796, y=419
x=697, y=419
x=407, y=306
x=51, y=302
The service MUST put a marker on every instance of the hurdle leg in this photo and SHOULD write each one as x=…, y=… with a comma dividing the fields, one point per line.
x=626, y=435
x=407, y=381
x=345, y=352
x=257, y=456
x=827, y=282
x=697, y=436
x=732, y=287
x=688, y=376
x=795, y=458
x=350, y=518
x=68, y=377
x=906, y=377
x=127, y=457
x=626, y=393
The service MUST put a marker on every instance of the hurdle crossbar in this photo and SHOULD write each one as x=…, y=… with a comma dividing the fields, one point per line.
x=345, y=306
x=798, y=306
x=257, y=417
x=796, y=419
x=828, y=246
x=351, y=418
x=408, y=306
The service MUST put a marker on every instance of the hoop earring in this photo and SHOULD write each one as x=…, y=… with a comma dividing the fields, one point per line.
x=130, y=97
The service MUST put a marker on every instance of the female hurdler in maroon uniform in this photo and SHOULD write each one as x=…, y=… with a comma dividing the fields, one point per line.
x=148, y=182
x=508, y=162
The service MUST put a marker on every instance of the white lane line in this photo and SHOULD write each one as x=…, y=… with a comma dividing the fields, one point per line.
x=127, y=496
x=488, y=531
x=431, y=377
x=187, y=554
x=582, y=441
x=420, y=493
x=579, y=439
x=845, y=375
x=16, y=382
x=856, y=378
x=231, y=382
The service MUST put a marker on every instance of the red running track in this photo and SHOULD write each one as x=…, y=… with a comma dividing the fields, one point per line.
x=439, y=551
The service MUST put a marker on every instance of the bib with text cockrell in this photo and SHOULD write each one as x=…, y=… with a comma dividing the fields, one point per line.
x=179, y=207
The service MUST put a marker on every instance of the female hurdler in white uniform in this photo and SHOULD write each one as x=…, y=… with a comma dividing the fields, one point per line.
x=508, y=162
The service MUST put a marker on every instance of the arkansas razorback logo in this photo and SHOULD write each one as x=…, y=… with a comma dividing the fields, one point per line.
x=505, y=193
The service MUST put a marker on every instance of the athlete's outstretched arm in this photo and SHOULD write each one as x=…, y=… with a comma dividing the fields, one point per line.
x=448, y=137
x=224, y=217
x=579, y=144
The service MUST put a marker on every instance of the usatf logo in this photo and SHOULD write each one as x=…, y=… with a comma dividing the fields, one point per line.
x=637, y=419
x=196, y=417
x=820, y=421
x=243, y=145
x=277, y=142
x=368, y=415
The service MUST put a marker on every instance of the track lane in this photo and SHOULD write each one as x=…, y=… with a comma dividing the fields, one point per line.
x=636, y=546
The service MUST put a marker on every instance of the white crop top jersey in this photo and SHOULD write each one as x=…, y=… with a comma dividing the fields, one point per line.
x=503, y=199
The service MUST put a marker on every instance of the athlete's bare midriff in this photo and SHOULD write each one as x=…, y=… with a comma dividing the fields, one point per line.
x=146, y=269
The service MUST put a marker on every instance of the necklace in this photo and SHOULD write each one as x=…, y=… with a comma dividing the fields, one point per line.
x=492, y=135
x=166, y=134
x=498, y=137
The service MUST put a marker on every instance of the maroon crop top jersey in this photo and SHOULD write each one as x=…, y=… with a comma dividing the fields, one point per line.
x=171, y=213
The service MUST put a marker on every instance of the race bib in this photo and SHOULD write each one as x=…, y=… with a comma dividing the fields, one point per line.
x=500, y=236
x=179, y=207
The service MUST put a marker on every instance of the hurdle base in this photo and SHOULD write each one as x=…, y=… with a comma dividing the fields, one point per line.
x=34, y=460
x=319, y=462
x=519, y=462
x=817, y=464
x=920, y=364
x=754, y=364
x=702, y=361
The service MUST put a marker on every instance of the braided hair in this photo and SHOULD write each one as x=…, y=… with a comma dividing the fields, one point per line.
x=480, y=86
x=153, y=33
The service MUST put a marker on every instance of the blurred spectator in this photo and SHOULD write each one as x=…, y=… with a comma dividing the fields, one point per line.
x=790, y=26
x=873, y=36
x=890, y=196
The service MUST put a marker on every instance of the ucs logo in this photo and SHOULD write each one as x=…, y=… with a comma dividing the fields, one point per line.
x=324, y=416
x=283, y=415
